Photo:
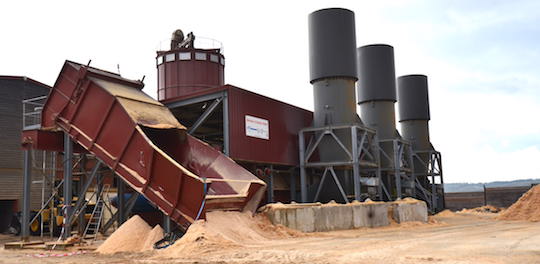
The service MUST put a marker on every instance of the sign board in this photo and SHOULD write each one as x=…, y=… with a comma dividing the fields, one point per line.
x=257, y=127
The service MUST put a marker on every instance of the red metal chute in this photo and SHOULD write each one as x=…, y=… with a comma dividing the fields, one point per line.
x=141, y=140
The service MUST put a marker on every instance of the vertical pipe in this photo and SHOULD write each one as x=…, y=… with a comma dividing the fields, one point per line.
x=27, y=184
x=68, y=183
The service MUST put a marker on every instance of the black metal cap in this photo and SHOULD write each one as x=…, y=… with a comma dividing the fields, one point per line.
x=413, y=100
x=376, y=73
x=332, y=44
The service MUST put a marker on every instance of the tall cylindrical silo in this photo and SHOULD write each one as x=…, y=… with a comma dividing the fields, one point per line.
x=377, y=94
x=413, y=103
x=332, y=53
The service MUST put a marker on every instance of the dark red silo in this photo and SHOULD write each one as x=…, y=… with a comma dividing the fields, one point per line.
x=185, y=69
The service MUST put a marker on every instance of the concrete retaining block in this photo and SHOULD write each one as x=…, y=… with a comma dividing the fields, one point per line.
x=333, y=216
x=370, y=214
x=317, y=217
x=409, y=210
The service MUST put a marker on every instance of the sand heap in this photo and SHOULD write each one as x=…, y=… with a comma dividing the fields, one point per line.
x=135, y=235
x=446, y=213
x=481, y=210
x=526, y=208
x=223, y=230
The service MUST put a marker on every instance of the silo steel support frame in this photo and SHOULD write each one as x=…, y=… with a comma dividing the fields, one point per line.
x=403, y=166
x=364, y=158
x=433, y=170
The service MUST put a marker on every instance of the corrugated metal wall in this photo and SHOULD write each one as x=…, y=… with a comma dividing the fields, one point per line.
x=496, y=196
x=12, y=92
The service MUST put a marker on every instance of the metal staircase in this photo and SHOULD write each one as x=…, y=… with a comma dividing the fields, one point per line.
x=92, y=228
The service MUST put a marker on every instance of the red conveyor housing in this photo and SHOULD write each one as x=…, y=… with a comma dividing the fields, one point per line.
x=140, y=139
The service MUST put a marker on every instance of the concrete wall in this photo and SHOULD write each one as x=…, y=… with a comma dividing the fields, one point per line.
x=317, y=217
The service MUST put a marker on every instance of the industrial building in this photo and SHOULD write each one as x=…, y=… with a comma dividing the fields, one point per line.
x=205, y=145
x=13, y=91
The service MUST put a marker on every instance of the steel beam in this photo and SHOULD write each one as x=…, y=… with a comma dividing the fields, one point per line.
x=226, y=124
x=356, y=165
x=166, y=224
x=27, y=184
x=194, y=100
x=205, y=115
x=121, y=204
x=270, y=185
x=303, y=182
x=68, y=183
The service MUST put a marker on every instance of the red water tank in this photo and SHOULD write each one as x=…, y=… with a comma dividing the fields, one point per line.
x=186, y=69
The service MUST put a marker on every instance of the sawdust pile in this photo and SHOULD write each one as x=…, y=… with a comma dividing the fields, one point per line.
x=153, y=236
x=526, y=208
x=481, y=209
x=224, y=230
x=446, y=213
x=135, y=235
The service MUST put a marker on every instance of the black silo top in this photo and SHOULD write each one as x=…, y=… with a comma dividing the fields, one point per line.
x=413, y=100
x=376, y=73
x=332, y=44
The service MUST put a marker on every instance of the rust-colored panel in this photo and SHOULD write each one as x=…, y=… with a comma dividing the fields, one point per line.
x=184, y=77
x=284, y=122
x=46, y=140
x=143, y=143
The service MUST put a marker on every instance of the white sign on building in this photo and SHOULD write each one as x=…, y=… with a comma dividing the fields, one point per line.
x=257, y=127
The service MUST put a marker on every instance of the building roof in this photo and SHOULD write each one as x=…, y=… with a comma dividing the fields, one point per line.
x=23, y=78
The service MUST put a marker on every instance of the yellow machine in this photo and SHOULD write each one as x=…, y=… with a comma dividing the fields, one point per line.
x=55, y=218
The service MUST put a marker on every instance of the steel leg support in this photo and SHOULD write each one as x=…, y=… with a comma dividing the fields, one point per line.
x=27, y=184
x=68, y=183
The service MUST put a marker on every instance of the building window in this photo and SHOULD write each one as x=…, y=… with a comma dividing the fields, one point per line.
x=169, y=57
x=200, y=56
x=214, y=58
x=184, y=56
x=222, y=61
x=159, y=60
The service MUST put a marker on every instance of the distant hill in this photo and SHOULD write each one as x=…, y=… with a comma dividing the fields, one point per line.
x=479, y=187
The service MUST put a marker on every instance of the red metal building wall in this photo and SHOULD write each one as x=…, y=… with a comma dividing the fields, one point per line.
x=284, y=121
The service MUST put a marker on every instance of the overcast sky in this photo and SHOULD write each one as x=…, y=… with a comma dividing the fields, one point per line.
x=481, y=58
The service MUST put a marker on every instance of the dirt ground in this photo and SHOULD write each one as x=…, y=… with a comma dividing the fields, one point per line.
x=457, y=238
